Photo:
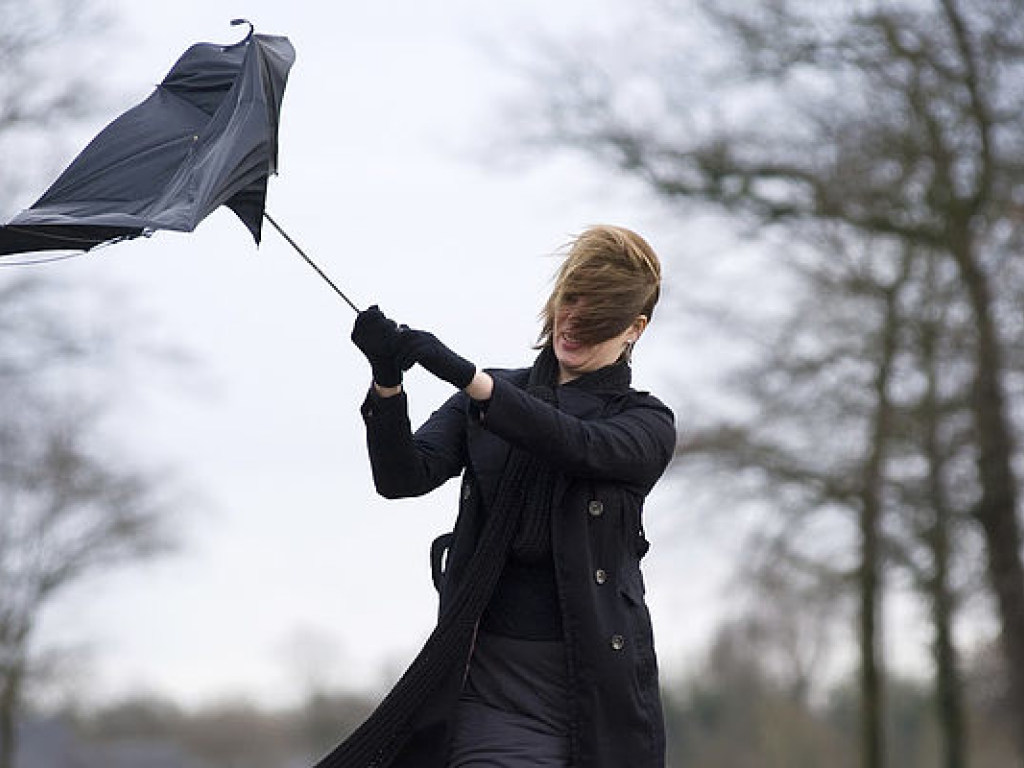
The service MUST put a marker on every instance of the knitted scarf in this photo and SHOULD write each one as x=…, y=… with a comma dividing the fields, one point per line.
x=520, y=516
x=532, y=539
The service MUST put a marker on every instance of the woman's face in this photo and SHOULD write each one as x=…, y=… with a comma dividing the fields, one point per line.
x=575, y=357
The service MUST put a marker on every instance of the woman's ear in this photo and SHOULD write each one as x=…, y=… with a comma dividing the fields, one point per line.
x=638, y=328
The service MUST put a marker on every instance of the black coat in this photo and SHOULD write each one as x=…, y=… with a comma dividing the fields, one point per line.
x=609, y=448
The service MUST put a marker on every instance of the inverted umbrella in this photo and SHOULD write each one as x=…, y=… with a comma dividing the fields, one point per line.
x=206, y=137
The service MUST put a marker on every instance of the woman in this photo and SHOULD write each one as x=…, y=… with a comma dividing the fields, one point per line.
x=543, y=653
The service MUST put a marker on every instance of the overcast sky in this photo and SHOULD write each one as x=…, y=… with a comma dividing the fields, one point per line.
x=290, y=562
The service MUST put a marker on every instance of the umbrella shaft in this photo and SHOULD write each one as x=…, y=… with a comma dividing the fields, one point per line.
x=309, y=261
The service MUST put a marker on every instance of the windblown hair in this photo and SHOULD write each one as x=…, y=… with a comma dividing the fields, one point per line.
x=614, y=274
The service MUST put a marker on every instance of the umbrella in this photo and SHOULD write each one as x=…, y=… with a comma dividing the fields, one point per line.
x=206, y=137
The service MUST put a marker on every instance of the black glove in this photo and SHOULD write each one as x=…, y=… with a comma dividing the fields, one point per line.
x=375, y=335
x=425, y=348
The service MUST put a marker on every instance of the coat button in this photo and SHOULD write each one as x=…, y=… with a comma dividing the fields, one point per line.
x=595, y=508
x=600, y=576
x=466, y=492
x=618, y=642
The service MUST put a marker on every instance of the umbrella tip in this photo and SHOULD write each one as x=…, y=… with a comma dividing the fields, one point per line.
x=252, y=29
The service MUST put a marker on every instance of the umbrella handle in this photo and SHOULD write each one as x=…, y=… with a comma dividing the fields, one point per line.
x=252, y=29
x=309, y=261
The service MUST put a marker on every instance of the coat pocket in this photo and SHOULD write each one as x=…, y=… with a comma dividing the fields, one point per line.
x=631, y=586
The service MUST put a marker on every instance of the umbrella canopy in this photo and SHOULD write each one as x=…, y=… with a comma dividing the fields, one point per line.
x=207, y=136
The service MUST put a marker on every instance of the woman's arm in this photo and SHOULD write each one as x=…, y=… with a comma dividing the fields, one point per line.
x=633, y=446
x=406, y=464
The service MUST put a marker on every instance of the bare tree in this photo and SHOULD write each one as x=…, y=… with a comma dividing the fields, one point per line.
x=66, y=512
x=893, y=122
x=70, y=506
x=819, y=449
x=934, y=468
x=857, y=443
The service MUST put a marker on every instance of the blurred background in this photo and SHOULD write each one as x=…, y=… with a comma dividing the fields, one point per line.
x=194, y=569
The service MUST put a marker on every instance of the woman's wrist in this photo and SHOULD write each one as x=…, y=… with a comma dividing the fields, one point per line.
x=481, y=387
x=387, y=391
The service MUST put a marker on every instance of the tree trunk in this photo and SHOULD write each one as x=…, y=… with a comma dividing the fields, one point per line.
x=872, y=743
x=949, y=696
x=10, y=699
x=872, y=697
x=948, y=686
x=997, y=509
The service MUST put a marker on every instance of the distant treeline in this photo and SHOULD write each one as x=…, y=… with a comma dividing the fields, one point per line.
x=732, y=712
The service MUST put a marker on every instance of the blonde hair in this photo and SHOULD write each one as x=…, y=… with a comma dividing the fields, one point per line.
x=618, y=276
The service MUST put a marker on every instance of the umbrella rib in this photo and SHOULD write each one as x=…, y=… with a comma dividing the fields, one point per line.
x=4, y=262
x=309, y=261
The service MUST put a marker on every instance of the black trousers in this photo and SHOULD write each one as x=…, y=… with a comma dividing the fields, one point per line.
x=512, y=713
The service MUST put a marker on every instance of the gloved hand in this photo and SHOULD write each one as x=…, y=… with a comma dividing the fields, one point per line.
x=425, y=348
x=375, y=334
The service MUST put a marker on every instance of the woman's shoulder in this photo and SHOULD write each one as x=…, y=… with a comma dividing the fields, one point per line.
x=517, y=376
x=645, y=396
x=641, y=398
